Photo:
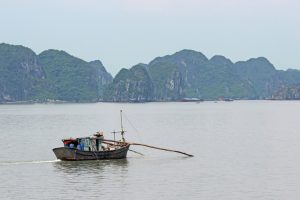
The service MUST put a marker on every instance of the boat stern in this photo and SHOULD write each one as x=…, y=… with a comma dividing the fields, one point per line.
x=64, y=153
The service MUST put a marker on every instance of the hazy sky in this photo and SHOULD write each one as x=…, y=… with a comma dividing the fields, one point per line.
x=122, y=33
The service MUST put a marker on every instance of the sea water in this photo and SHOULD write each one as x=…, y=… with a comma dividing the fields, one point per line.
x=242, y=150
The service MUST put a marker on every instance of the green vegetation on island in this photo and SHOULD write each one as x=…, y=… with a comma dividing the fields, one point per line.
x=291, y=92
x=57, y=76
x=51, y=75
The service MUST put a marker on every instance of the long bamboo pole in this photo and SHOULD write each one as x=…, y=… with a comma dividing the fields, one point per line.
x=149, y=146
x=159, y=148
x=136, y=152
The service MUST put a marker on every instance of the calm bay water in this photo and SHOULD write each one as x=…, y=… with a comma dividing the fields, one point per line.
x=243, y=150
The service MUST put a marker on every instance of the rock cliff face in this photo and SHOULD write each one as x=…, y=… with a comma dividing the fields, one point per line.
x=72, y=79
x=103, y=78
x=190, y=74
x=260, y=74
x=133, y=85
x=264, y=78
x=57, y=75
x=288, y=93
x=20, y=73
x=51, y=75
x=170, y=75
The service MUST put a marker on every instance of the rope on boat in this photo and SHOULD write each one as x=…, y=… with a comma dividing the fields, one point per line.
x=136, y=130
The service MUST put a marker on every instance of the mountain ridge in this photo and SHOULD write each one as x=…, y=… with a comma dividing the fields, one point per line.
x=57, y=75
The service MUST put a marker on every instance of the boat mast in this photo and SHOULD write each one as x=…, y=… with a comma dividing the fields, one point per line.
x=114, y=132
x=122, y=130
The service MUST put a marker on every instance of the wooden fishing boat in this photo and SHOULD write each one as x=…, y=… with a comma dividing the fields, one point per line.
x=74, y=154
x=97, y=148
x=93, y=147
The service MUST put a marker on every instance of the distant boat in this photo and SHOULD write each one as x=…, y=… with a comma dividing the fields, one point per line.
x=191, y=100
x=97, y=148
x=228, y=99
x=225, y=99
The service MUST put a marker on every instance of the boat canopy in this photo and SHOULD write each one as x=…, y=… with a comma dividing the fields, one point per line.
x=92, y=143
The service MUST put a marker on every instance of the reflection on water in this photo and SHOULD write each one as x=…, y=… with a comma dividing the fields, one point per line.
x=97, y=177
x=92, y=167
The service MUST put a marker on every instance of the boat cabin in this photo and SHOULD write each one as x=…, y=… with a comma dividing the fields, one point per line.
x=92, y=143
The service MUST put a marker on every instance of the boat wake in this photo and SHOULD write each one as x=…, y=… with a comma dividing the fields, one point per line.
x=27, y=162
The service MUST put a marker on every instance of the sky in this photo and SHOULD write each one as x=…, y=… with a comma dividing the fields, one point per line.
x=122, y=33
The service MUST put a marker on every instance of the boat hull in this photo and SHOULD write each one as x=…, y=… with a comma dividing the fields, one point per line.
x=66, y=153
